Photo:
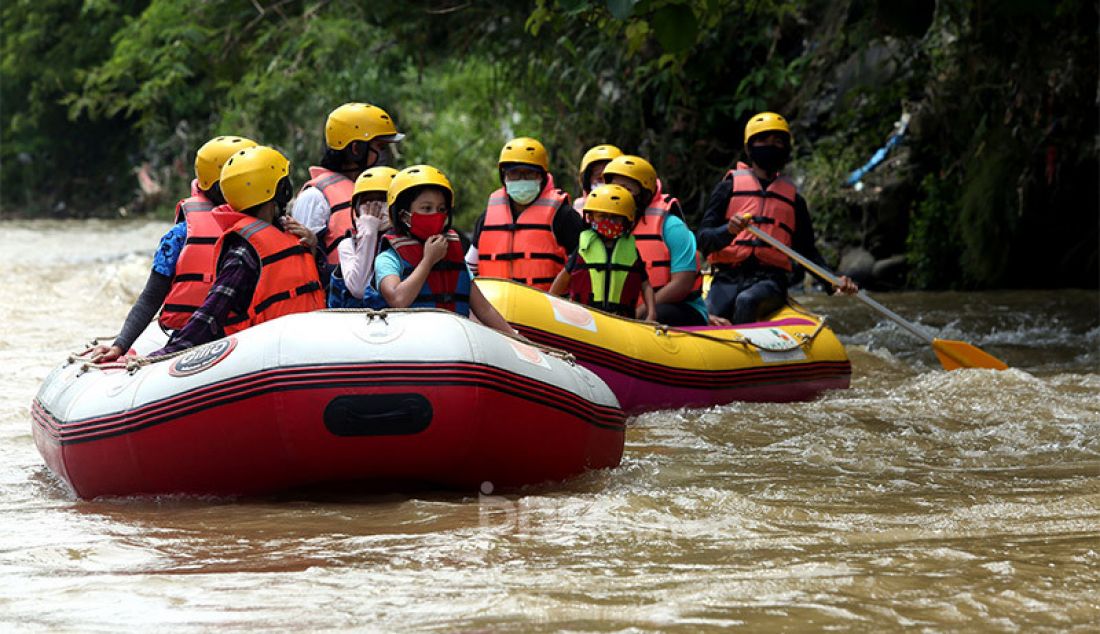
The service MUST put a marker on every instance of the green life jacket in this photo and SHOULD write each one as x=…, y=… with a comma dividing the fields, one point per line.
x=608, y=278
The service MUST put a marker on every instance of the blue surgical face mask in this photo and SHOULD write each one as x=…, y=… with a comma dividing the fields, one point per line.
x=522, y=192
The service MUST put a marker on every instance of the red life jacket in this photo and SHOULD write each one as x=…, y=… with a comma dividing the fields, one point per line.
x=288, y=275
x=194, y=268
x=522, y=249
x=773, y=212
x=337, y=190
x=649, y=233
x=197, y=201
x=448, y=280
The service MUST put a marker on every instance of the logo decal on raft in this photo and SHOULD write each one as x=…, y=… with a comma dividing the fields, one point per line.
x=202, y=358
x=572, y=314
x=530, y=354
x=773, y=344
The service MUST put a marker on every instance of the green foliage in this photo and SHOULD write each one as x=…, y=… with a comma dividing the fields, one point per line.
x=934, y=243
x=989, y=211
x=1001, y=93
x=157, y=73
x=47, y=160
x=690, y=74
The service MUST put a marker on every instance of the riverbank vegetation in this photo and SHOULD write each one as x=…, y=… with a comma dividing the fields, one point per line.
x=992, y=185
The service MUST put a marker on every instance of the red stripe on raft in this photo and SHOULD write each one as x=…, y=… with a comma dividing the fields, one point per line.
x=305, y=377
x=333, y=370
x=593, y=357
x=789, y=321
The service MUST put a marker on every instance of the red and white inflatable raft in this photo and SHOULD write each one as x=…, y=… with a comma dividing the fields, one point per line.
x=409, y=397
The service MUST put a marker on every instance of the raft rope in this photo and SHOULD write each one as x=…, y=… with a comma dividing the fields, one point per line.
x=133, y=364
x=802, y=339
x=372, y=314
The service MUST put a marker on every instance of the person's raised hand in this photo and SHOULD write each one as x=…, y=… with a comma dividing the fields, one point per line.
x=435, y=248
x=373, y=212
x=306, y=237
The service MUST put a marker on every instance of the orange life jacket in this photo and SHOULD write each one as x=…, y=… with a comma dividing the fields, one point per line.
x=522, y=249
x=288, y=274
x=197, y=201
x=194, y=268
x=649, y=235
x=773, y=212
x=340, y=227
x=337, y=190
x=448, y=283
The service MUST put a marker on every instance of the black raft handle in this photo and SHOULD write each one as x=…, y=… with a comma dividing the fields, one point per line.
x=378, y=414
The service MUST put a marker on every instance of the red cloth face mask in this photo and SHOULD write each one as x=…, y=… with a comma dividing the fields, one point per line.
x=424, y=226
x=608, y=228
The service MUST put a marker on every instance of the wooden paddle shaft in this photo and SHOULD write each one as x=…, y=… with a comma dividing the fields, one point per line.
x=832, y=278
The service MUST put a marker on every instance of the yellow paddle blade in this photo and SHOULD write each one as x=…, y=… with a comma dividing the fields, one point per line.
x=959, y=354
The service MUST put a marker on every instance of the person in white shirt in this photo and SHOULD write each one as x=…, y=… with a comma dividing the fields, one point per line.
x=351, y=286
x=357, y=137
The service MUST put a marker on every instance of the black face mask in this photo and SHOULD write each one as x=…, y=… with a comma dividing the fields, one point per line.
x=769, y=158
x=283, y=193
x=362, y=157
x=382, y=158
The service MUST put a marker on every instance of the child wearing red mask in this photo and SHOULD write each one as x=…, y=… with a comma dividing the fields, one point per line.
x=606, y=271
x=424, y=266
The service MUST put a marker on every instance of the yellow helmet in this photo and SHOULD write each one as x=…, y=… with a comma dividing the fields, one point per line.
x=416, y=176
x=251, y=176
x=766, y=122
x=634, y=167
x=359, y=122
x=212, y=156
x=526, y=151
x=376, y=179
x=598, y=153
x=611, y=199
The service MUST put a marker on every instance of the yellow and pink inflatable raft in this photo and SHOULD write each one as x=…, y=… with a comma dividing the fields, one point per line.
x=793, y=356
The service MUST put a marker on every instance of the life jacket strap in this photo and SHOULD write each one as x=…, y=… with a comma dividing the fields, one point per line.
x=518, y=226
x=285, y=295
x=532, y=281
x=506, y=257
x=285, y=253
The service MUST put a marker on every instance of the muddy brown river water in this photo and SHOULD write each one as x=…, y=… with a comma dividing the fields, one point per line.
x=916, y=499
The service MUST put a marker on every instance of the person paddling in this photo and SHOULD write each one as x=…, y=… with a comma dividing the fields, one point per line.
x=751, y=277
x=352, y=283
x=357, y=137
x=591, y=173
x=424, y=266
x=265, y=264
x=606, y=271
x=665, y=243
x=176, y=285
x=528, y=228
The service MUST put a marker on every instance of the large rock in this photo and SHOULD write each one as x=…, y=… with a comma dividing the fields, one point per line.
x=858, y=264
x=891, y=272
